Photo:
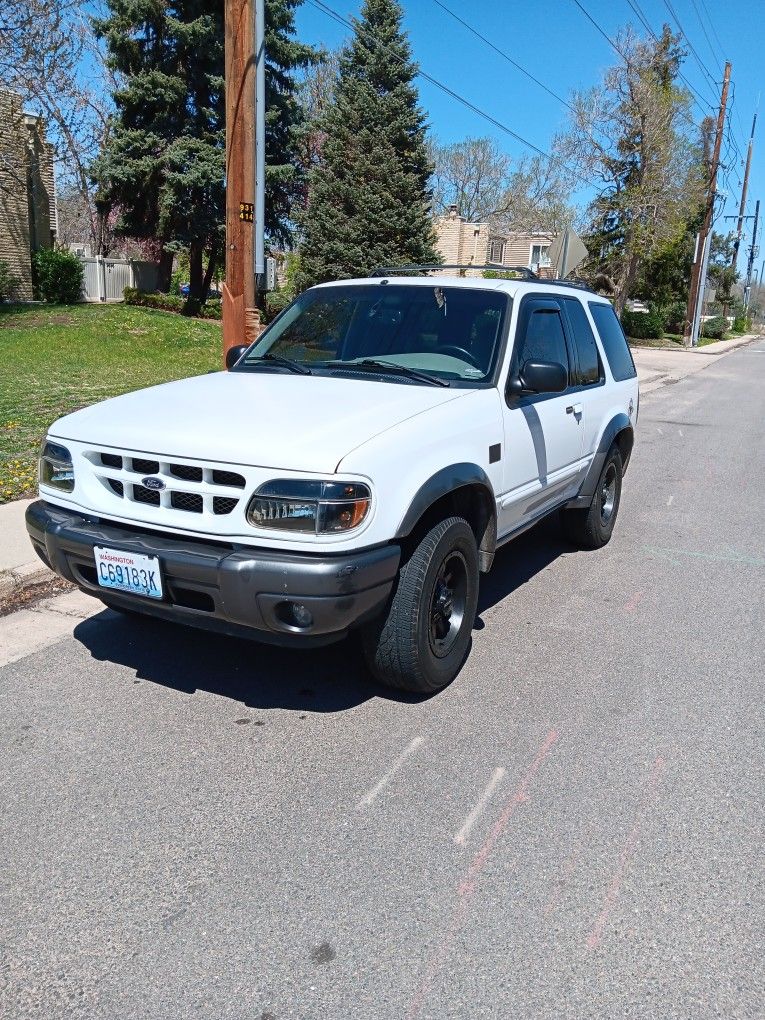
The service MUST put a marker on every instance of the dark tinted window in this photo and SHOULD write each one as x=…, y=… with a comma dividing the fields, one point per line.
x=614, y=342
x=543, y=339
x=584, y=338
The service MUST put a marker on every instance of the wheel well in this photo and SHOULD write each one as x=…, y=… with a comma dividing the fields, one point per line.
x=625, y=440
x=473, y=502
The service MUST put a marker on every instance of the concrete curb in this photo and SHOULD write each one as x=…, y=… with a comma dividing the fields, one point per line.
x=18, y=580
x=709, y=350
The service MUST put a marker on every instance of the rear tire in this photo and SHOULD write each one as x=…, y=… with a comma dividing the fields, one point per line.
x=592, y=527
x=422, y=640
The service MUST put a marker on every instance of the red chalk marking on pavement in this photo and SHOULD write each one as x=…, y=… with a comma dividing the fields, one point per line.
x=467, y=886
x=612, y=893
x=632, y=605
x=566, y=872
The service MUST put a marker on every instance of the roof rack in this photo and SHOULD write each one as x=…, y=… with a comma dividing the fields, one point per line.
x=524, y=271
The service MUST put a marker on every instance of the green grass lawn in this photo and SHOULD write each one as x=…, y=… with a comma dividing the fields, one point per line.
x=55, y=359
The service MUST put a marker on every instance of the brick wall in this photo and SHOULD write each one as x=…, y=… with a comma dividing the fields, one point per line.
x=27, y=190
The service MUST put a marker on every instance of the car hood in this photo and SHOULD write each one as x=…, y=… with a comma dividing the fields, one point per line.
x=260, y=419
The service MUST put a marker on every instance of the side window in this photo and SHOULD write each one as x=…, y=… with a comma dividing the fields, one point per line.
x=614, y=343
x=543, y=339
x=587, y=350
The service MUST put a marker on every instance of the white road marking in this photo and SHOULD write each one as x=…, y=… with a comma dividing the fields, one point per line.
x=680, y=432
x=475, y=814
x=670, y=500
x=379, y=787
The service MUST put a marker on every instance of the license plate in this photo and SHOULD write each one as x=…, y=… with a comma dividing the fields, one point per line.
x=131, y=572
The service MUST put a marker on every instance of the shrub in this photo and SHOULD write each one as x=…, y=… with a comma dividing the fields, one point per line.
x=715, y=328
x=672, y=316
x=9, y=284
x=173, y=303
x=741, y=324
x=642, y=325
x=57, y=276
x=276, y=301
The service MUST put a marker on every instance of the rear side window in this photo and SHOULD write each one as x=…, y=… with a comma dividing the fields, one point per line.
x=584, y=339
x=613, y=340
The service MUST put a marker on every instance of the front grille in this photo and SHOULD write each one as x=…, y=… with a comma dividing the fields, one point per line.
x=223, y=504
x=202, y=488
x=187, y=472
x=145, y=467
x=143, y=495
x=190, y=501
x=228, y=478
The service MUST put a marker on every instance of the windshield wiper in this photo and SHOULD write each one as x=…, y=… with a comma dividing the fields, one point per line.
x=392, y=366
x=274, y=359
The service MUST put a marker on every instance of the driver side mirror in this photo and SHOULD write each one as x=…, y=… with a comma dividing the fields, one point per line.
x=538, y=377
x=233, y=354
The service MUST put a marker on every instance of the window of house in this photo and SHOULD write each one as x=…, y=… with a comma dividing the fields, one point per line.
x=497, y=252
x=540, y=256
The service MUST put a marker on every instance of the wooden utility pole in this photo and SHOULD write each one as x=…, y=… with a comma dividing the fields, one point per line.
x=742, y=207
x=697, y=283
x=753, y=252
x=240, y=316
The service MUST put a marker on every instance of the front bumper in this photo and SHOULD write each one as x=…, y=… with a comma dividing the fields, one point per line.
x=233, y=589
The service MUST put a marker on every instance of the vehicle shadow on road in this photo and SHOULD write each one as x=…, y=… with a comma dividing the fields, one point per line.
x=331, y=679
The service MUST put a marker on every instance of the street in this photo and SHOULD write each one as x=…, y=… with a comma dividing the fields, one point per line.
x=202, y=827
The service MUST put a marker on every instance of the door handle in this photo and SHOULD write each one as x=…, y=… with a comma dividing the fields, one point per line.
x=574, y=409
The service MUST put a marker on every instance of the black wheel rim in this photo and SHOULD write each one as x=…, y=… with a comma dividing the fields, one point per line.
x=447, y=604
x=608, y=494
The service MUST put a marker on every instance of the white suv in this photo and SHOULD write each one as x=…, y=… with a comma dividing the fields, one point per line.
x=358, y=466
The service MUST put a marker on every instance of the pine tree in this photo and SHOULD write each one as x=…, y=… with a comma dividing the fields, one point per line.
x=369, y=202
x=164, y=165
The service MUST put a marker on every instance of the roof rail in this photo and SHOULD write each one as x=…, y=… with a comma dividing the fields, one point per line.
x=524, y=271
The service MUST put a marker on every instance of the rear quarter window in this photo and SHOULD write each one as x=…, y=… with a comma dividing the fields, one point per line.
x=614, y=341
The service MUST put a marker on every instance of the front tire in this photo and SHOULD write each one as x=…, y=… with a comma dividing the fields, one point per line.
x=592, y=528
x=422, y=640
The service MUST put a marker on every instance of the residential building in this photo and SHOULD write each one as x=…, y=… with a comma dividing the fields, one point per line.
x=27, y=190
x=463, y=242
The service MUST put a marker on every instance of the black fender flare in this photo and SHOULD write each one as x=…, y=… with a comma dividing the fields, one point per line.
x=619, y=424
x=449, y=480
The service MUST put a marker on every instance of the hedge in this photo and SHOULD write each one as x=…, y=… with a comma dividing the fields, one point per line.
x=57, y=276
x=715, y=328
x=643, y=325
x=173, y=303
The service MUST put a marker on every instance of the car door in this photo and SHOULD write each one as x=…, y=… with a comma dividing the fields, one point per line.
x=589, y=382
x=543, y=432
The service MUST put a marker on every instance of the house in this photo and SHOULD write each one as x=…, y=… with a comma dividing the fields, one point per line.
x=463, y=242
x=27, y=190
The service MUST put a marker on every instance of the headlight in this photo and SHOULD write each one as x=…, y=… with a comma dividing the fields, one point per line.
x=312, y=507
x=56, y=468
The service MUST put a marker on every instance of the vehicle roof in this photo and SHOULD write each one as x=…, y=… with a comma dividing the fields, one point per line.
x=513, y=287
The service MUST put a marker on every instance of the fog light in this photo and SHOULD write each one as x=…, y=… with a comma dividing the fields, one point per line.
x=294, y=614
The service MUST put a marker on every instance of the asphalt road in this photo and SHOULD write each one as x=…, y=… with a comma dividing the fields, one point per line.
x=199, y=827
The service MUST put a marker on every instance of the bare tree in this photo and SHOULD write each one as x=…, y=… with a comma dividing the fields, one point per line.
x=629, y=136
x=50, y=58
x=537, y=197
x=472, y=175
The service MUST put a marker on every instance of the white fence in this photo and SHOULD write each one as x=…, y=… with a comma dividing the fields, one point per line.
x=106, y=279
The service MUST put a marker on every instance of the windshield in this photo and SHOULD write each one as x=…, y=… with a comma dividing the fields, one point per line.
x=405, y=333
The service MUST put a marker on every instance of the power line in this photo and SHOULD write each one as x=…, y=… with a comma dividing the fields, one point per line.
x=703, y=29
x=683, y=33
x=712, y=26
x=325, y=9
x=504, y=54
x=701, y=101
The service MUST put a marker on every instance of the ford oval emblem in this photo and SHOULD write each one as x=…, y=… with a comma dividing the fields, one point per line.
x=152, y=483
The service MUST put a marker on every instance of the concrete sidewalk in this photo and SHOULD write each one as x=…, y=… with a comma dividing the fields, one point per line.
x=20, y=568
x=657, y=367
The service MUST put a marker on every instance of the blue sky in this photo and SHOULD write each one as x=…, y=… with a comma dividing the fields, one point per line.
x=554, y=41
